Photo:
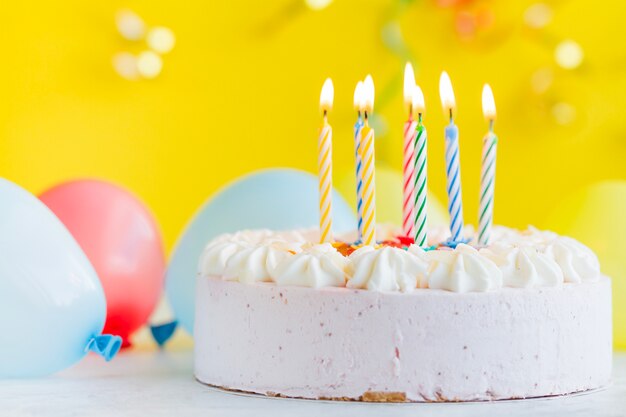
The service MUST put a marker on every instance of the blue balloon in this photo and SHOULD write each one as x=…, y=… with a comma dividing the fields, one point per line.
x=276, y=199
x=52, y=307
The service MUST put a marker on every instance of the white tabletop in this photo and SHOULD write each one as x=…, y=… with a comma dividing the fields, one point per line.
x=140, y=383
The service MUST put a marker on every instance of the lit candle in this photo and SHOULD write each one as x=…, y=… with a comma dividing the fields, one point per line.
x=358, y=106
x=324, y=163
x=367, y=156
x=453, y=164
x=420, y=161
x=488, y=170
x=408, y=165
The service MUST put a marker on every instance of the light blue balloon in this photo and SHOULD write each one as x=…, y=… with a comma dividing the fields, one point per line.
x=52, y=307
x=275, y=199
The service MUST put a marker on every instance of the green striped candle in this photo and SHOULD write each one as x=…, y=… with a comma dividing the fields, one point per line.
x=488, y=170
x=420, y=151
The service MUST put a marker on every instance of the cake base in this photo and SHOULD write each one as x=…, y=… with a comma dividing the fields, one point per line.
x=425, y=346
x=392, y=398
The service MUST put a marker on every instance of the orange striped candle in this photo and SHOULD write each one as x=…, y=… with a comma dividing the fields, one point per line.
x=368, y=160
x=324, y=163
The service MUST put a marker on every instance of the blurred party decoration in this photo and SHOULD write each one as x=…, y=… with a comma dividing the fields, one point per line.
x=275, y=199
x=389, y=197
x=318, y=4
x=541, y=80
x=595, y=216
x=564, y=113
x=394, y=40
x=123, y=242
x=148, y=64
x=130, y=25
x=568, y=54
x=161, y=39
x=52, y=305
x=125, y=64
x=538, y=15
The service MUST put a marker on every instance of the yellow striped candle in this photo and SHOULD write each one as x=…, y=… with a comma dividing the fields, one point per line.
x=368, y=159
x=324, y=163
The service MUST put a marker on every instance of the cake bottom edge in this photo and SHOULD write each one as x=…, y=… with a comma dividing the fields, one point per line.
x=399, y=397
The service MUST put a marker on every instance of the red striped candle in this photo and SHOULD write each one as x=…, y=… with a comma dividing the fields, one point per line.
x=408, y=164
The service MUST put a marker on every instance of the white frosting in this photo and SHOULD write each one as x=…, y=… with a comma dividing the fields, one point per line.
x=386, y=269
x=524, y=266
x=529, y=258
x=216, y=254
x=257, y=263
x=462, y=270
x=576, y=260
x=530, y=236
x=244, y=261
x=316, y=266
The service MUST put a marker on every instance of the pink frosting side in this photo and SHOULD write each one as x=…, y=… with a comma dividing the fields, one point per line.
x=431, y=345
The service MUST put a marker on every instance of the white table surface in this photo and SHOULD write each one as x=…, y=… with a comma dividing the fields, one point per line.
x=144, y=383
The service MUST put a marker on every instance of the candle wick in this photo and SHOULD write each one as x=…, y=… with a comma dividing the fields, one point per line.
x=419, y=117
x=491, y=123
x=450, y=114
x=325, y=116
x=410, y=111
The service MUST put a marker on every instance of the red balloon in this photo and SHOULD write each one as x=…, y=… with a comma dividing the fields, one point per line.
x=122, y=241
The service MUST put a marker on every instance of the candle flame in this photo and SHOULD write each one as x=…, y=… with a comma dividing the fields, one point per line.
x=327, y=95
x=358, y=96
x=409, y=83
x=489, y=104
x=417, y=100
x=368, y=94
x=446, y=93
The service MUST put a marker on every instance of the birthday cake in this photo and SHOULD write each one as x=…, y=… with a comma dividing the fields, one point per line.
x=529, y=315
x=433, y=315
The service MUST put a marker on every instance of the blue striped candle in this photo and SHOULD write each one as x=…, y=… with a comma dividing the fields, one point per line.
x=359, y=177
x=453, y=164
x=453, y=173
x=358, y=106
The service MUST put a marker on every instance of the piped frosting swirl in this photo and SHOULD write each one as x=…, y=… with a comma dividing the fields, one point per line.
x=527, y=259
x=462, y=269
x=386, y=269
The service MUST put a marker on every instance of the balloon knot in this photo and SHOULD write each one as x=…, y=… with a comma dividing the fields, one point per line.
x=105, y=345
x=163, y=332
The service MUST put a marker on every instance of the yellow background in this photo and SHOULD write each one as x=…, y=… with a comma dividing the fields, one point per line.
x=240, y=92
